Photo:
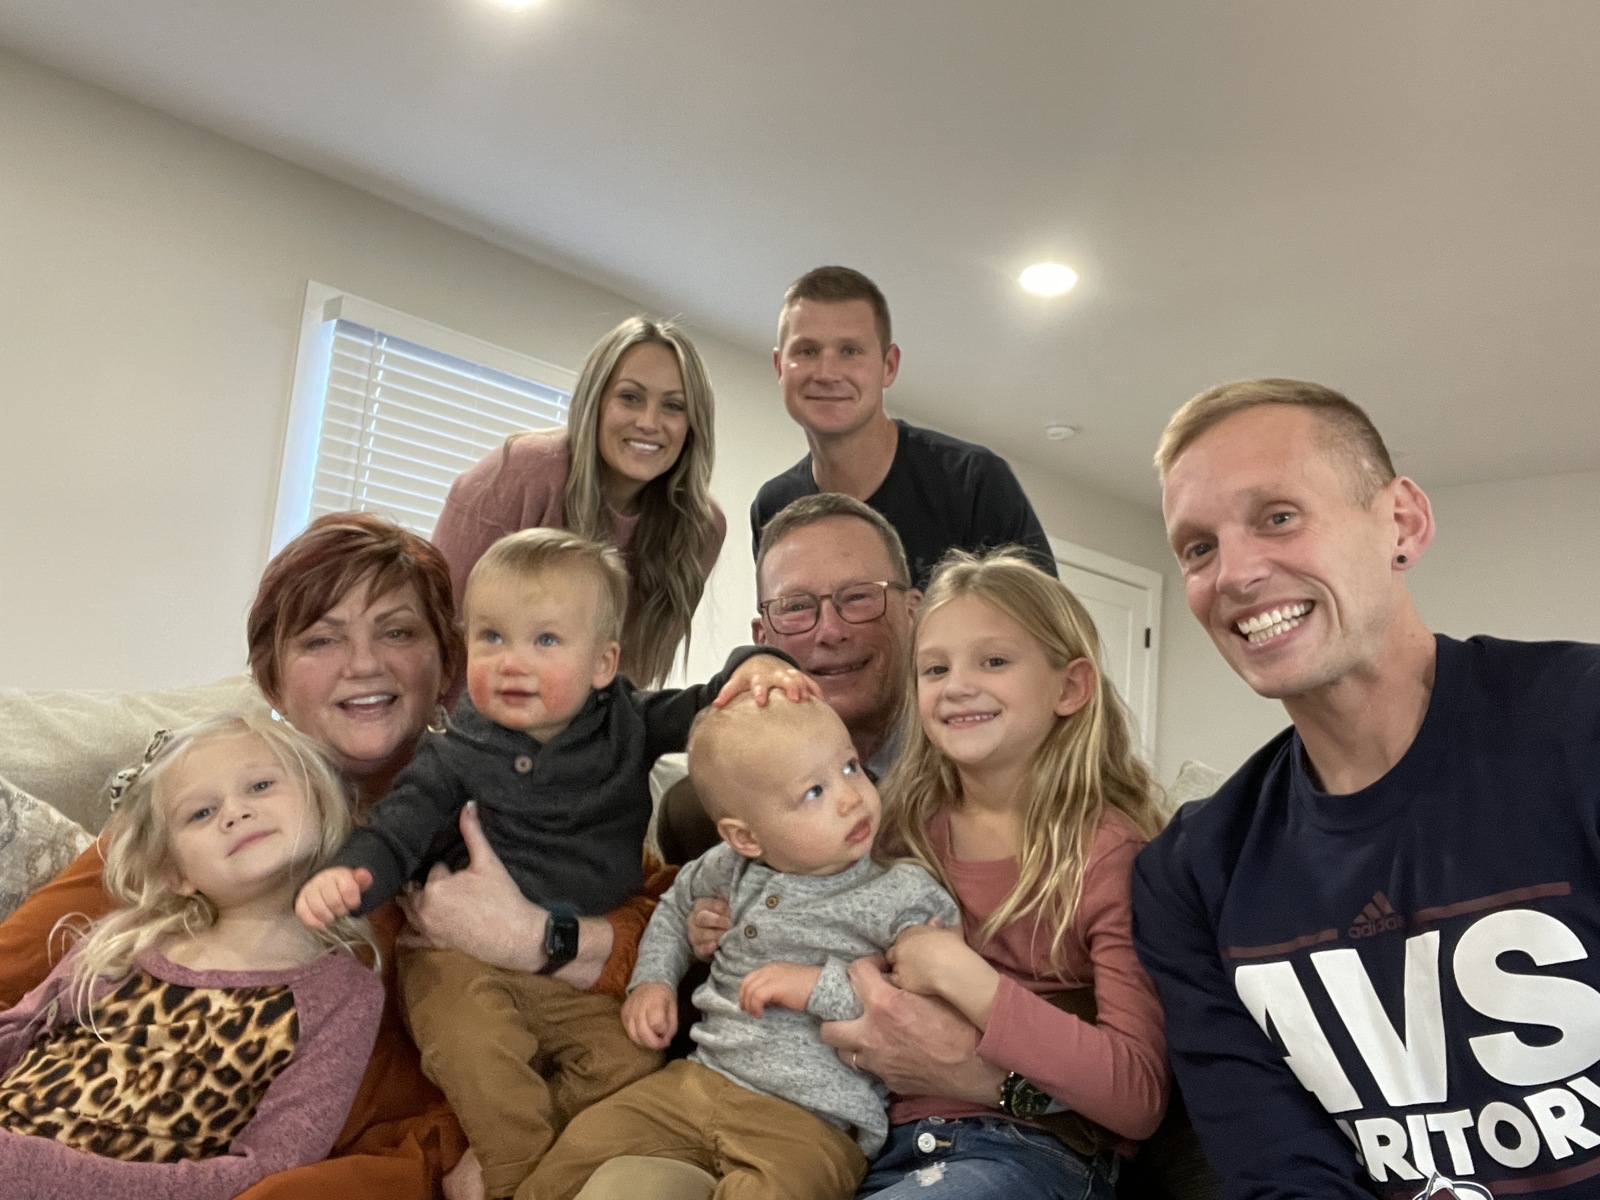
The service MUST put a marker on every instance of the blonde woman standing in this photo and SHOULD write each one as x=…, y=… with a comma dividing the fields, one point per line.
x=632, y=469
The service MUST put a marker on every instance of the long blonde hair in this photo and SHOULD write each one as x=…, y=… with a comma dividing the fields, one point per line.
x=1085, y=765
x=139, y=870
x=668, y=548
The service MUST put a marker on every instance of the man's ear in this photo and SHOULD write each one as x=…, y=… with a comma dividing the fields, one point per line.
x=1078, y=681
x=740, y=836
x=758, y=631
x=605, y=670
x=913, y=601
x=891, y=364
x=1413, y=520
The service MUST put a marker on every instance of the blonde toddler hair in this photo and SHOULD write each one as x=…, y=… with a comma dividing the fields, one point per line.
x=140, y=869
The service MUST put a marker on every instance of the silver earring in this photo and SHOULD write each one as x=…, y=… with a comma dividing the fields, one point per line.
x=440, y=716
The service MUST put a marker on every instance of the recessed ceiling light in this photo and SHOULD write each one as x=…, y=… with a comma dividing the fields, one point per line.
x=1048, y=279
x=516, y=5
x=1059, y=433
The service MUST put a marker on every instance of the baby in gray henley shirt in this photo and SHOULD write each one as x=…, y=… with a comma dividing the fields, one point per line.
x=798, y=817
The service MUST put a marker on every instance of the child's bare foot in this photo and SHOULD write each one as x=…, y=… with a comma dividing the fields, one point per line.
x=465, y=1180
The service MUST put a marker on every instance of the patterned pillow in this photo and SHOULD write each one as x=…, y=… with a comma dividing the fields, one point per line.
x=36, y=842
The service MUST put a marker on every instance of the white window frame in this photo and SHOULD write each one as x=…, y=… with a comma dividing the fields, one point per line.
x=324, y=305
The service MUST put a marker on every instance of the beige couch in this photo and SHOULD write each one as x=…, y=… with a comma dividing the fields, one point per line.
x=58, y=751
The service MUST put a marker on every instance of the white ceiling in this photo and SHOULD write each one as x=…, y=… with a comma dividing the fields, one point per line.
x=1400, y=199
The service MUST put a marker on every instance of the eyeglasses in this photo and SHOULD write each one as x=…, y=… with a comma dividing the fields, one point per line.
x=856, y=603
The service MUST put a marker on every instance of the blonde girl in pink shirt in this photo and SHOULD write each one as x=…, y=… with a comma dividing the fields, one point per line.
x=1020, y=790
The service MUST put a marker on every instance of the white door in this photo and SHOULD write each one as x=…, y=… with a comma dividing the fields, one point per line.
x=1125, y=602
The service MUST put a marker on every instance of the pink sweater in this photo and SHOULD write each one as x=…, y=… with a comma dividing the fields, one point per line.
x=1114, y=1071
x=337, y=1003
x=526, y=489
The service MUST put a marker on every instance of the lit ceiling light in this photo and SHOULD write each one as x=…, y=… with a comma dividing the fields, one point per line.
x=516, y=5
x=1048, y=279
x=1059, y=432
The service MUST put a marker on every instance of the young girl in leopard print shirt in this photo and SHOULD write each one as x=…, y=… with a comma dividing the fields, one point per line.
x=199, y=1037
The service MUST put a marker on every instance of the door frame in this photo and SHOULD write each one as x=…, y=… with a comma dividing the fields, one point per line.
x=1085, y=559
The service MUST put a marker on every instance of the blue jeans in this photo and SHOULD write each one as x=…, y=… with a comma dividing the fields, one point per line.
x=984, y=1158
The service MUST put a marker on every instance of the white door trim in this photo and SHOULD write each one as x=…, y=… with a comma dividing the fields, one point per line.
x=1151, y=582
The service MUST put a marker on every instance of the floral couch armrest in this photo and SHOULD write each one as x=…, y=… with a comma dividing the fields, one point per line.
x=36, y=842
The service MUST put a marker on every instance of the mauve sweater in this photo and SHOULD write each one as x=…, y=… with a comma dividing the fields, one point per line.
x=524, y=486
x=337, y=1004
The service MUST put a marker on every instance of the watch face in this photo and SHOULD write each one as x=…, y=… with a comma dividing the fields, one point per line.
x=560, y=941
x=1027, y=1100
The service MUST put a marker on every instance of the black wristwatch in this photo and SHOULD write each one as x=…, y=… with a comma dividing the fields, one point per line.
x=560, y=941
x=1019, y=1098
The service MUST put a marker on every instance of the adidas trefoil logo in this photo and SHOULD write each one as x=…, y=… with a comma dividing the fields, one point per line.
x=1440, y=1188
x=1377, y=917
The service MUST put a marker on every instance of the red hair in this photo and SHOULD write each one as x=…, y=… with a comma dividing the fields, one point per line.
x=316, y=571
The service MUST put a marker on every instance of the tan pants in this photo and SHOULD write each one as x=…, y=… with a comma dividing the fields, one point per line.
x=517, y=1055
x=758, y=1146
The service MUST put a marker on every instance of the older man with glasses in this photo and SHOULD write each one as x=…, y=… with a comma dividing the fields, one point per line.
x=835, y=594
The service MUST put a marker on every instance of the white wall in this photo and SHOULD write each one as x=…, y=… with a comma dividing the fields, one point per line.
x=151, y=282
x=1518, y=559
x=150, y=294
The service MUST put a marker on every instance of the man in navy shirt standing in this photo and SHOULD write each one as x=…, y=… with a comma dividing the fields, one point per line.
x=835, y=357
x=1378, y=945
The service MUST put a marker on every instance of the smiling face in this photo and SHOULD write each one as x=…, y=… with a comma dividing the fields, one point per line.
x=533, y=653
x=362, y=681
x=860, y=668
x=1292, y=577
x=987, y=692
x=238, y=822
x=792, y=789
x=644, y=419
x=831, y=367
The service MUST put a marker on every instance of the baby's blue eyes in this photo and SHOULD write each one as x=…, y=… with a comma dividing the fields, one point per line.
x=546, y=639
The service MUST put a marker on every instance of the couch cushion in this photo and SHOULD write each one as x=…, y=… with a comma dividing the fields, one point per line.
x=63, y=747
x=36, y=842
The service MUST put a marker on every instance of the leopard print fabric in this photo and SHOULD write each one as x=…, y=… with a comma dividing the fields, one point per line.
x=166, y=1073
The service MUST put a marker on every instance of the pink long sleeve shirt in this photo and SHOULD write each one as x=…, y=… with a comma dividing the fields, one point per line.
x=1113, y=1071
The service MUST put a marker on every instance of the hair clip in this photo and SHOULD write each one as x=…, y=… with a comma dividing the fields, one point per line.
x=128, y=776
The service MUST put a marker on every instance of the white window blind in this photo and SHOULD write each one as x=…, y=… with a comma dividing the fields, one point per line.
x=400, y=421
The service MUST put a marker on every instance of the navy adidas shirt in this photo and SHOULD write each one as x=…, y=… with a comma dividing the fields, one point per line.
x=1365, y=991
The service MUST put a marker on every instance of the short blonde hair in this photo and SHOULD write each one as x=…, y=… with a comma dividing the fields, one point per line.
x=530, y=553
x=1345, y=430
x=726, y=742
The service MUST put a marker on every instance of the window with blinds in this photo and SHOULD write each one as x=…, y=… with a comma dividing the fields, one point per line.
x=400, y=421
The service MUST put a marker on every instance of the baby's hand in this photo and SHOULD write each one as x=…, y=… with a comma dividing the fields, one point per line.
x=762, y=674
x=331, y=893
x=788, y=985
x=709, y=919
x=650, y=1015
x=923, y=955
